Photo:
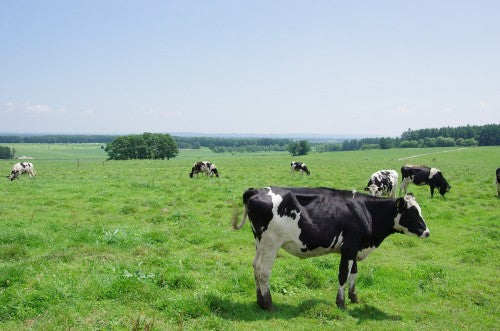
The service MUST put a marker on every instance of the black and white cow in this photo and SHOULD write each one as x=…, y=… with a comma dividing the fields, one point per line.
x=299, y=166
x=205, y=167
x=309, y=222
x=21, y=168
x=383, y=182
x=421, y=175
x=498, y=182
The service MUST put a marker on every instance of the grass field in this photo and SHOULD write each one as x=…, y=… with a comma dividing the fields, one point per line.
x=126, y=244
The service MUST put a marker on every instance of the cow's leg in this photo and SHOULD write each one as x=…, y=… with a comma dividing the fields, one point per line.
x=262, y=265
x=404, y=185
x=352, y=280
x=432, y=191
x=346, y=263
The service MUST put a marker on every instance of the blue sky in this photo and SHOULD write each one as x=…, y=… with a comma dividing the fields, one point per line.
x=326, y=67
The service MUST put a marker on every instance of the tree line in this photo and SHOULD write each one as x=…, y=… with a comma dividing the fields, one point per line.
x=470, y=135
x=160, y=146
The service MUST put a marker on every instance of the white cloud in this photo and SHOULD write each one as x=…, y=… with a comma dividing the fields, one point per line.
x=404, y=110
x=162, y=113
x=484, y=104
x=29, y=108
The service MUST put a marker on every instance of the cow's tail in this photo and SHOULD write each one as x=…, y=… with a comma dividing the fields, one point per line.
x=234, y=221
x=246, y=196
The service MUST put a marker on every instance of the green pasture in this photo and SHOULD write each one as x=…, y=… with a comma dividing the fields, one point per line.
x=96, y=244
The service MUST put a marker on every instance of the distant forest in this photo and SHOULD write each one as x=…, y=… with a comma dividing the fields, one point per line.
x=470, y=135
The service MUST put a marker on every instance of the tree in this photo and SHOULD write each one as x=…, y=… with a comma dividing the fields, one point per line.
x=301, y=147
x=145, y=146
x=7, y=152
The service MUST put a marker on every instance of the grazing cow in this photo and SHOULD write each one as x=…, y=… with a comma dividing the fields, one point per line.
x=309, y=222
x=299, y=166
x=421, y=175
x=21, y=168
x=383, y=182
x=498, y=182
x=205, y=167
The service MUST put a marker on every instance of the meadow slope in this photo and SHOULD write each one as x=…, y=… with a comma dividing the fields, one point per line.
x=91, y=244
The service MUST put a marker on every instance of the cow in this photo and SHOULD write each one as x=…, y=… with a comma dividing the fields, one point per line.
x=383, y=182
x=422, y=175
x=299, y=166
x=310, y=222
x=205, y=167
x=498, y=182
x=21, y=168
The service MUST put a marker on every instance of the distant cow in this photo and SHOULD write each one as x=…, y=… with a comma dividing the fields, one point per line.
x=421, y=175
x=21, y=168
x=309, y=222
x=498, y=182
x=299, y=166
x=205, y=167
x=383, y=182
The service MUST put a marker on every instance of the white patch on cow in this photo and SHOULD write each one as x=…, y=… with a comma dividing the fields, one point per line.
x=433, y=172
x=410, y=199
x=340, y=293
x=351, y=278
x=362, y=254
x=338, y=241
x=284, y=229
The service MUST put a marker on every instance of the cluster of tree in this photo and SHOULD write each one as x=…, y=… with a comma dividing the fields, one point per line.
x=482, y=135
x=485, y=135
x=7, y=152
x=247, y=148
x=232, y=144
x=301, y=147
x=144, y=146
x=57, y=139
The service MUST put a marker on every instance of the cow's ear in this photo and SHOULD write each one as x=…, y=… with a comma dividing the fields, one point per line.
x=400, y=205
x=366, y=188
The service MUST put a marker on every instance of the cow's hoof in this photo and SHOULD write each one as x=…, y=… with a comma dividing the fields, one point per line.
x=353, y=297
x=340, y=303
x=265, y=302
x=268, y=307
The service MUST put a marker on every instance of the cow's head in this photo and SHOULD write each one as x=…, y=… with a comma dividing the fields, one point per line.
x=13, y=175
x=409, y=218
x=443, y=184
x=374, y=190
x=191, y=174
x=214, y=171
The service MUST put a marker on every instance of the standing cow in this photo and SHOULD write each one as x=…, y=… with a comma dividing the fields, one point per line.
x=21, y=168
x=421, y=175
x=383, y=182
x=205, y=167
x=299, y=166
x=309, y=222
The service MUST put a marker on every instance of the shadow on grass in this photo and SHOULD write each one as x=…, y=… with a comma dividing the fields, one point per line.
x=370, y=313
x=249, y=311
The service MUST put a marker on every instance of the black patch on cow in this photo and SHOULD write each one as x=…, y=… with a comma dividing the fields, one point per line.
x=259, y=210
